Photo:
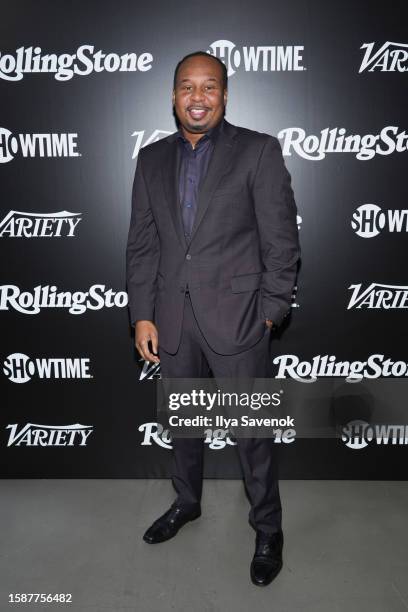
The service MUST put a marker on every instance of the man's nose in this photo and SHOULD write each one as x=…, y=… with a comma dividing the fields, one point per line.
x=197, y=94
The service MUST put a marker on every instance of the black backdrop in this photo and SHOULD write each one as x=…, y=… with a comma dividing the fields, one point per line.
x=322, y=83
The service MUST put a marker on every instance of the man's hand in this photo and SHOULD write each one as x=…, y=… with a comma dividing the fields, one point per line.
x=145, y=331
x=269, y=323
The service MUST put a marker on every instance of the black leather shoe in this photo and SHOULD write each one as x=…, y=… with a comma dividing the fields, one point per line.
x=267, y=561
x=169, y=523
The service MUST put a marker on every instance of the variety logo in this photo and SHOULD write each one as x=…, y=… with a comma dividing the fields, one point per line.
x=39, y=225
x=334, y=140
x=77, y=302
x=65, y=65
x=19, y=368
x=390, y=57
x=149, y=370
x=36, y=145
x=369, y=220
x=258, y=59
x=376, y=366
x=49, y=435
x=378, y=295
x=154, y=137
x=358, y=434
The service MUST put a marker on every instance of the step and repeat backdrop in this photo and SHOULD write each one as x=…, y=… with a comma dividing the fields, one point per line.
x=83, y=87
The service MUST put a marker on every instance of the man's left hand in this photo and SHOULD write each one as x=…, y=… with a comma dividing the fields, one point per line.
x=269, y=323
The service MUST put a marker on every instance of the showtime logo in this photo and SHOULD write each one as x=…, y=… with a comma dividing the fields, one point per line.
x=378, y=295
x=369, y=220
x=19, y=368
x=376, y=366
x=39, y=225
x=36, y=145
x=65, y=65
x=334, y=140
x=390, y=57
x=154, y=137
x=33, y=434
x=76, y=302
x=358, y=434
x=258, y=59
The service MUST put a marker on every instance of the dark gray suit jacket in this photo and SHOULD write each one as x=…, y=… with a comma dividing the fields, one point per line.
x=240, y=264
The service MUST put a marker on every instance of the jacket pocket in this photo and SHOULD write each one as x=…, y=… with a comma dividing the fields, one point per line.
x=246, y=282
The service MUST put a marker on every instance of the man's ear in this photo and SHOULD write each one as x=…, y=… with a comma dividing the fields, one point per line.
x=173, y=97
x=225, y=96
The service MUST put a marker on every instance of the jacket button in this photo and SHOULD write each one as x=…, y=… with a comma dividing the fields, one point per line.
x=188, y=256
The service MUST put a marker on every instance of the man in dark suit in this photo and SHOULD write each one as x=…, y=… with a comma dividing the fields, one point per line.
x=211, y=264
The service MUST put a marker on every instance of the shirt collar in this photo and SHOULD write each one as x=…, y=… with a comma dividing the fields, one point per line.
x=212, y=133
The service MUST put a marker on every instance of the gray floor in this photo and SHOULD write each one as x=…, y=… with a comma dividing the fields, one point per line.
x=346, y=547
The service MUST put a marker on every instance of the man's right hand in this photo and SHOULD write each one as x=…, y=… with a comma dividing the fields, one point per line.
x=145, y=331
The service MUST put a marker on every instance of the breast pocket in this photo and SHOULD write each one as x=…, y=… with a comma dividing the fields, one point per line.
x=228, y=193
x=231, y=193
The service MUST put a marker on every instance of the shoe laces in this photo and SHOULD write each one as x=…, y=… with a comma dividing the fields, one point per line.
x=267, y=543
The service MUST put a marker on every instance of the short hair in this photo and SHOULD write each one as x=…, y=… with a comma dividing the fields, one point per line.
x=223, y=67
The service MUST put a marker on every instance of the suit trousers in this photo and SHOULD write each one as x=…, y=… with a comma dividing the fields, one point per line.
x=258, y=456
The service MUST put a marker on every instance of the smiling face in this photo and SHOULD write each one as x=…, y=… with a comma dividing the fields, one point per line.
x=199, y=97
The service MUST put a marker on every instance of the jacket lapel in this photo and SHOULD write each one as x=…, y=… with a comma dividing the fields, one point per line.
x=220, y=163
x=170, y=169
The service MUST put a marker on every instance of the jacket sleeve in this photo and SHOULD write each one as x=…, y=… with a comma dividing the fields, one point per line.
x=142, y=251
x=276, y=210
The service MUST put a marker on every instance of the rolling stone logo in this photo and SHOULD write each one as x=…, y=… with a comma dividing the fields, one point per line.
x=258, y=59
x=369, y=221
x=33, y=434
x=335, y=140
x=389, y=57
x=31, y=60
x=376, y=366
x=36, y=145
x=18, y=224
x=215, y=438
x=19, y=368
x=378, y=295
x=77, y=302
x=359, y=434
